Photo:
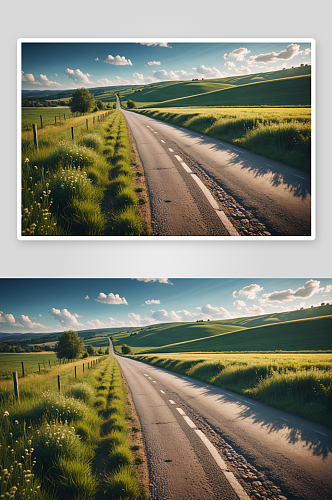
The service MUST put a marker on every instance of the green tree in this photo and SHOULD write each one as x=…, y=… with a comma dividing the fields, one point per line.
x=126, y=349
x=69, y=346
x=100, y=105
x=107, y=350
x=82, y=101
x=91, y=350
x=131, y=104
x=100, y=350
x=114, y=105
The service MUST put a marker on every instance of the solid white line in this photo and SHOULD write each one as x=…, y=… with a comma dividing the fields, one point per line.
x=227, y=223
x=206, y=192
x=180, y=411
x=162, y=391
x=187, y=169
x=171, y=401
x=189, y=422
x=162, y=141
x=171, y=150
x=320, y=433
x=220, y=462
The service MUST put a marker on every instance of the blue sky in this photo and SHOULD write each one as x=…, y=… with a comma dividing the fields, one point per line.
x=49, y=305
x=71, y=65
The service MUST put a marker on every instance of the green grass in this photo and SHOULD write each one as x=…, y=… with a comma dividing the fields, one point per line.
x=10, y=362
x=32, y=115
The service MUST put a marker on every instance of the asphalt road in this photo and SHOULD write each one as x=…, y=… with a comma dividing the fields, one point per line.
x=182, y=418
x=200, y=186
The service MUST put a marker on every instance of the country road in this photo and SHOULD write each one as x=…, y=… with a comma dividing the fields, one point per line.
x=200, y=186
x=189, y=425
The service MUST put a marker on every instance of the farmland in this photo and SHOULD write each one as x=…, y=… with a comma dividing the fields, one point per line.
x=91, y=186
x=53, y=443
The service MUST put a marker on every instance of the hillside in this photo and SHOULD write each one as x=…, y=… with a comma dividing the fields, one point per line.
x=306, y=329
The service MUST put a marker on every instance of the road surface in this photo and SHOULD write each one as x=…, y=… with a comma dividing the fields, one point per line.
x=189, y=425
x=200, y=186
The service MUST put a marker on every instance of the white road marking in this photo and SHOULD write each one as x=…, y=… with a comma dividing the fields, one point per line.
x=162, y=141
x=269, y=165
x=187, y=169
x=227, y=223
x=146, y=375
x=154, y=381
x=237, y=150
x=151, y=128
x=206, y=192
x=299, y=176
x=156, y=132
x=284, y=419
x=189, y=422
x=180, y=411
x=162, y=391
x=171, y=401
x=178, y=158
x=320, y=433
x=171, y=150
x=220, y=462
x=150, y=378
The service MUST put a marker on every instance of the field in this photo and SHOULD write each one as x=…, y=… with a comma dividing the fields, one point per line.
x=52, y=444
x=10, y=362
x=282, y=134
x=32, y=115
x=91, y=186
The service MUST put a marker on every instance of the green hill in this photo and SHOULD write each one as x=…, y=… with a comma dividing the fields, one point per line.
x=305, y=329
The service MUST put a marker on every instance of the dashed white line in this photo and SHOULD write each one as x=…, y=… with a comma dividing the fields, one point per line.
x=156, y=132
x=162, y=141
x=171, y=150
x=154, y=381
x=189, y=422
x=299, y=176
x=284, y=419
x=146, y=375
x=162, y=391
x=181, y=411
x=171, y=401
x=206, y=192
x=322, y=433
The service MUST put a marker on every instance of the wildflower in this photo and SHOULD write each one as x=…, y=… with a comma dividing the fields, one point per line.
x=26, y=160
x=6, y=414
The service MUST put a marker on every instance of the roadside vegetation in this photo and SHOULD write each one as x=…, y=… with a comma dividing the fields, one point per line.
x=299, y=383
x=81, y=187
x=282, y=134
x=72, y=444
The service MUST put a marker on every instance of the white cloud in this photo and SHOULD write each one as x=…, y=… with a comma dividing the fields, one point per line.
x=238, y=54
x=249, y=291
x=162, y=74
x=310, y=288
x=29, y=78
x=152, y=301
x=154, y=63
x=254, y=310
x=207, y=72
x=111, y=298
x=163, y=316
x=78, y=77
x=21, y=322
x=239, y=304
x=65, y=318
x=242, y=70
x=291, y=51
x=215, y=312
x=87, y=297
x=160, y=44
x=328, y=288
x=229, y=64
x=40, y=315
x=118, y=61
x=159, y=280
x=46, y=82
x=97, y=59
x=307, y=51
x=7, y=318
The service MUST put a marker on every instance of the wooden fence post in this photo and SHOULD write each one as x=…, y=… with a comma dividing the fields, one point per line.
x=64, y=115
x=22, y=369
x=72, y=133
x=35, y=135
x=83, y=367
x=75, y=371
x=49, y=362
x=55, y=120
x=94, y=120
x=41, y=121
x=59, y=382
x=87, y=123
x=39, y=367
x=17, y=394
x=88, y=365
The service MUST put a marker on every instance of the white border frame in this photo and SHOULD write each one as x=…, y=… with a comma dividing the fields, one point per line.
x=312, y=41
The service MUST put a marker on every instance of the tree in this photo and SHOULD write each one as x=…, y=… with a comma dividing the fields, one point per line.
x=107, y=350
x=91, y=350
x=126, y=349
x=131, y=104
x=114, y=105
x=81, y=101
x=69, y=346
x=100, y=105
x=100, y=350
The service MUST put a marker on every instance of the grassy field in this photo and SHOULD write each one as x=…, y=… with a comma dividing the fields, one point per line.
x=298, y=383
x=32, y=115
x=282, y=134
x=10, y=362
x=82, y=187
x=53, y=444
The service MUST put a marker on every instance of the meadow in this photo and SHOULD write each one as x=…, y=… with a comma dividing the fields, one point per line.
x=83, y=187
x=282, y=134
x=53, y=443
x=10, y=362
x=32, y=115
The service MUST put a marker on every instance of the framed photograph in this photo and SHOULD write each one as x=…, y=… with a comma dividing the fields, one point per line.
x=142, y=139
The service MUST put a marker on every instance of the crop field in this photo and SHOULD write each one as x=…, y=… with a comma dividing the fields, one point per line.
x=282, y=134
x=83, y=187
x=299, y=383
x=52, y=443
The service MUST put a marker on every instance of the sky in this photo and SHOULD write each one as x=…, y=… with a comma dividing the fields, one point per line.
x=44, y=305
x=61, y=66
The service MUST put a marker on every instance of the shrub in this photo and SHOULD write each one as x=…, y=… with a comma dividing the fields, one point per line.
x=82, y=391
x=93, y=141
x=69, y=154
x=128, y=223
x=123, y=485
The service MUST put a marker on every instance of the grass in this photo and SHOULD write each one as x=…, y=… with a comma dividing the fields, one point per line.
x=282, y=134
x=50, y=441
x=297, y=383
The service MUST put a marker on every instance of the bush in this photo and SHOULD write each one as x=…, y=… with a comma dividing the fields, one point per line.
x=128, y=223
x=82, y=391
x=93, y=141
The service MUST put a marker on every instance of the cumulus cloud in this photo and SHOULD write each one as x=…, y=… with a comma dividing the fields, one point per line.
x=238, y=54
x=28, y=77
x=328, y=288
x=291, y=51
x=46, y=82
x=162, y=74
x=229, y=64
x=242, y=70
x=21, y=322
x=87, y=297
x=154, y=63
x=152, y=301
x=78, y=77
x=65, y=318
x=215, y=312
x=207, y=72
x=310, y=288
x=118, y=61
x=249, y=291
x=159, y=280
x=163, y=316
x=97, y=59
x=307, y=51
x=111, y=298
x=160, y=44
x=239, y=304
x=254, y=310
x=6, y=318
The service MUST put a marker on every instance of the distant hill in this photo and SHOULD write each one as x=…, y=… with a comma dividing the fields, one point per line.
x=305, y=329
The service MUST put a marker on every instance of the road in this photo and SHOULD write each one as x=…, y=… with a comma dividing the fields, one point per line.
x=189, y=425
x=200, y=186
